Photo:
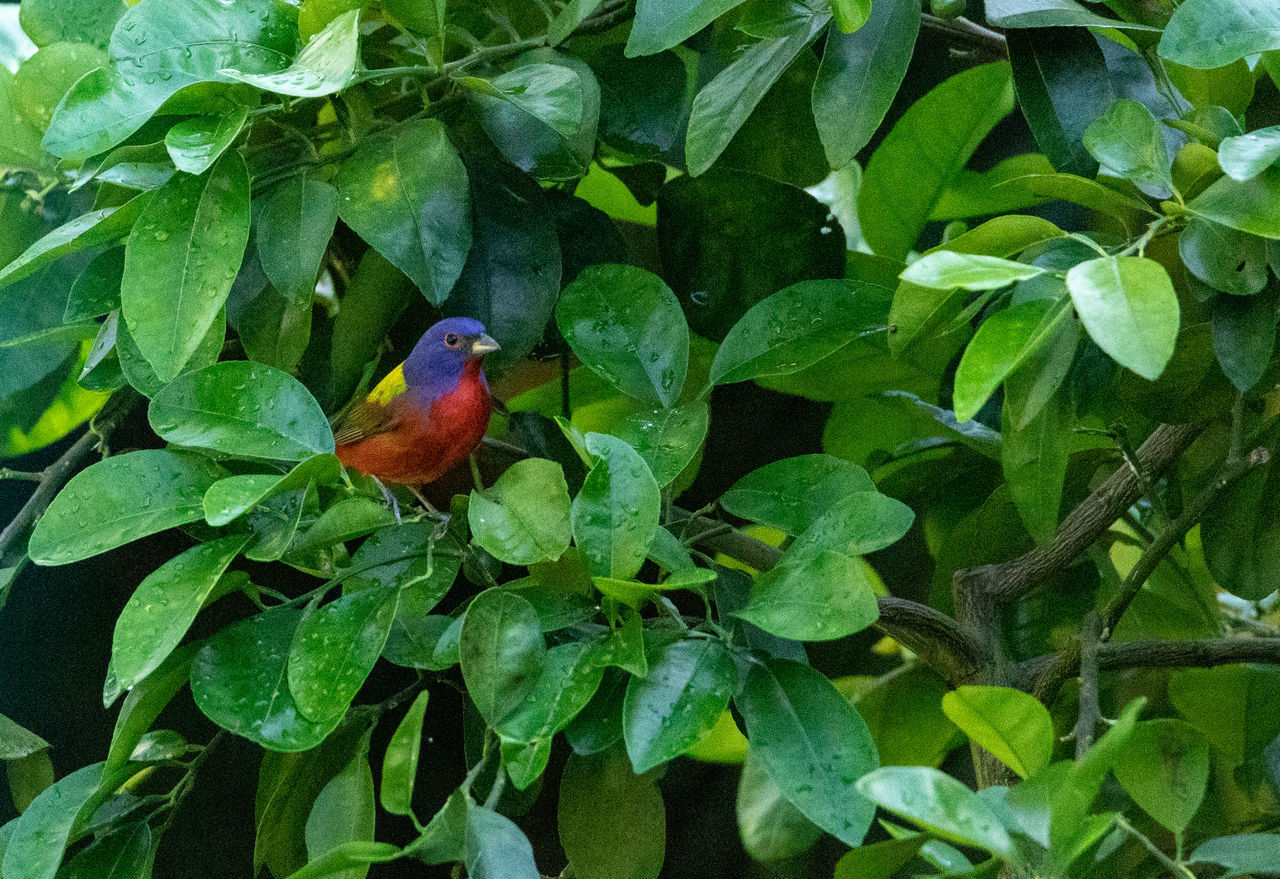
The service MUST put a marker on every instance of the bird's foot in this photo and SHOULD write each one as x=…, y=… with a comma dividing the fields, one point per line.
x=442, y=519
x=390, y=499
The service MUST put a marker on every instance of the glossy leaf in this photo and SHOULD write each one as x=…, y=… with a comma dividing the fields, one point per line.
x=123, y=853
x=157, y=50
x=239, y=680
x=1014, y=726
x=813, y=597
x=859, y=76
x=612, y=821
x=242, y=408
x=771, y=828
x=195, y=144
x=1127, y=141
x=230, y=498
x=496, y=848
x=82, y=21
x=119, y=500
x=1251, y=206
x=145, y=701
x=723, y=105
x=880, y=860
x=938, y=803
x=550, y=93
x=1003, y=342
x=1245, y=156
x=35, y=846
x=1213, y=33
x=102, y=226
x=400, y=765
x=904, y=180
x=661, y=24
x=405, y=192
x=862, y=522
x=334, y=649
x=324, y=65
x=1130, y=309
x=181, y=258
x=1224, y=258
x=793, y=493
x=968, y=271
x=164, y=605
x=1164, y=766
x=626, y=325
x=1052, y=13
x=343, y=812
x=678, y=702
x=1063, y=85
x=616, y=513
x=17, y=741
x=294, y=222
x=502, y=653
x=340, y=862
x=1034, y=458
x=1244, y=336
x=791, y=330
x=1241, y=854
x=523, y=518
x=1238, y=533
x=667, y=439
x=813, y=744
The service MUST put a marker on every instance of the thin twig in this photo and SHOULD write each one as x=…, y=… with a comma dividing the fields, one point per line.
x=1090, y=712
x=1168, y=862
x=26, y=475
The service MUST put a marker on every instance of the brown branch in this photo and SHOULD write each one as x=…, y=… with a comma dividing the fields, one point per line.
x=57, y=474
x=1008, y=581
x=1090, y=712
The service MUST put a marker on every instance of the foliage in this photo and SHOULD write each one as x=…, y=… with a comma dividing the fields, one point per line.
x=1044, y=383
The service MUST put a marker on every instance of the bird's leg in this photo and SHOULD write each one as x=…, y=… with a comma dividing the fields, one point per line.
x=390, y=499
x=432, y=512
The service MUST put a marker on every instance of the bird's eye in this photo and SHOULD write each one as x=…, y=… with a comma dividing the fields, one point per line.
x=451, y=340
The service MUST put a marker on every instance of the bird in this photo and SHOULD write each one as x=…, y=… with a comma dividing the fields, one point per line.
x=426, y=416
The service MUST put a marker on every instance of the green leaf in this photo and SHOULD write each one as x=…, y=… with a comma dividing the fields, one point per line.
x=568, y=19
x=1063, y=85
x=344, y=810
x=771, y=828
x=334, y=650
x=1014, y=726
x=1224, y=258
x=1052, y=13
x=1239, y=532
x=1130, y=309
x=145, y=701
x=242, y=408
x=512, y=277
x=405, y=192
x=119, y=500
x=1164, y=766
x=239, y=680
x=1034, y=458
x=1127, y=141
x=21, y=148
x=1244, y=336
x=195, y=144
x=813, y=597
x=230, y=498
x=1213, y=33
x=626, y=325
x=122, y=853
x=667, y=439
x=1241, y=854
x=341, y=861
x=793, y=493
x=17, y=741
x=968, y=271
x=925, y=151
x=813, y=744
x=181, y=258
x=346, y=520
x=325, y=64
x=502, y=653
x=616, y=512
x=524, y=517
x=938, y=803
x=550, y=93
x=862, y=522
x=157, y=50
x=1251, y=206
x=102, y=226
x=723, y=105
x=294, y=222
x=880, y=860
x=661, y=24
x=859, y=76
x=1003, y=342
x=1091, y=194
x=1247, y=155
x=400, y=765
x=164, y=605
x=45, y=77
x=496, y=848
x=39, y=835
x=678, y=702
x=612, y=822
x=793, y=329
x=81, y=21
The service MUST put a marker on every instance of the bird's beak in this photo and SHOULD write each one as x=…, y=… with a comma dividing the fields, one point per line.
x=483, y=344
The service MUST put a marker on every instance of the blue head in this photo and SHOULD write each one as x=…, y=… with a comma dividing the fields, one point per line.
x=442, y=355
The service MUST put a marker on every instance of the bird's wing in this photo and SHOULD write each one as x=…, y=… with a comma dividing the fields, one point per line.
x=374, y=414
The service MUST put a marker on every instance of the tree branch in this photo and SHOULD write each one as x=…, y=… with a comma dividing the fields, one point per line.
x=57, y=474
x=1008, y=581
x=1090, y=712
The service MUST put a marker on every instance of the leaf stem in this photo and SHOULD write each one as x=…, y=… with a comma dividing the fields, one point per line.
x=1177, y=868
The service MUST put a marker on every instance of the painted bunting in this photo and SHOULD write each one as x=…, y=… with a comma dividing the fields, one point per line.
x=428, y=414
